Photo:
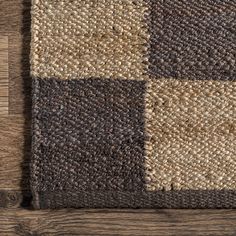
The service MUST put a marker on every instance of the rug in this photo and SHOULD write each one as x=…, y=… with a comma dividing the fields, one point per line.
x=134, y=103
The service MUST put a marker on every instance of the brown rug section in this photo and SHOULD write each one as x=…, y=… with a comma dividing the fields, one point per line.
x=134, y=103
x=88, y=135
x=134, y=199
x=192, y=39
x=112, y=143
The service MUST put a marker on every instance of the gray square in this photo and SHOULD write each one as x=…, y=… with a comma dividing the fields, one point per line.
x=88, y=135
x=192, y=39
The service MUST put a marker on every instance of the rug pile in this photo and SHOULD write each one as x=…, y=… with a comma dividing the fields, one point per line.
x=134, y=103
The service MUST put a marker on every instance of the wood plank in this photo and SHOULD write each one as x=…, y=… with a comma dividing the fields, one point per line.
x=15, y=22
x=4, y=99
x=118, y=222
x=14, y=13
x=14, y=152
x=3, y=109
x=15, y=199
x=3, y=56
x=4, y=75
x=3, y=90
x=15, y=131
x=19, y=74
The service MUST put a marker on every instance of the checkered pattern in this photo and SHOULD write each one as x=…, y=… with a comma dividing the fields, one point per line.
x=134, y=103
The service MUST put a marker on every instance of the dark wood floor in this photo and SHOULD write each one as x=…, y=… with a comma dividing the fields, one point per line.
x=16, y=216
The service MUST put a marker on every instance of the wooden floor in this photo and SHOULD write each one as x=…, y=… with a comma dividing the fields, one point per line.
x=16, y=215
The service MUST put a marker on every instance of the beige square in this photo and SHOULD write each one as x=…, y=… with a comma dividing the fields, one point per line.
x=191, y=128
x=88, y=38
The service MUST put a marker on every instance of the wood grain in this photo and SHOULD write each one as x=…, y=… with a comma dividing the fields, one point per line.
x=15, y=24
x=14, y=165
x=19, y=74
x=14, y=153
x=118, y=222
x=4, y=97
x=15, y=129
x=12, y=15
x=14, y=159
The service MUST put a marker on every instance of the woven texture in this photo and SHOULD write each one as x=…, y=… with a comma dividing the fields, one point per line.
x=192, y=39
x=134, y=103
x=88, y=39
x=94, y=126
x=191, y=135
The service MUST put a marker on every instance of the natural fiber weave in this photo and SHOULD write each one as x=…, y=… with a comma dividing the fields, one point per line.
x=191, y=128
x=134, y=103
x=93, y=127
x=192, y=39
x=88, y=38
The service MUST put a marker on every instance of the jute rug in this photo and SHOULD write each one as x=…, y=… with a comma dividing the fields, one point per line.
x=134, y=103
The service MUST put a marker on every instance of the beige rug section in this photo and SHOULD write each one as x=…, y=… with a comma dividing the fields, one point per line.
x=88, y=38
x=191, y=128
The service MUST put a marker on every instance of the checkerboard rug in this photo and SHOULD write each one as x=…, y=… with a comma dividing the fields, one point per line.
x=134, y=103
